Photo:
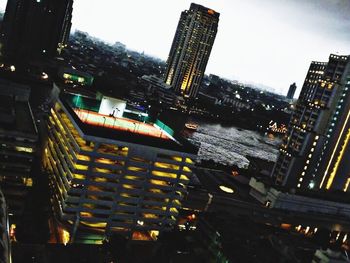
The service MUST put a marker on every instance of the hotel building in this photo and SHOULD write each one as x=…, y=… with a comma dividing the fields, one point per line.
x=191, y=48
x=313, y=147
x=113, y=169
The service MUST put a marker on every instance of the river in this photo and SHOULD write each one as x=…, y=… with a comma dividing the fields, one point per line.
x=231, y=145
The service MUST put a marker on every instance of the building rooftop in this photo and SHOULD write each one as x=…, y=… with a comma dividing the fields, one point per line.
x=112, y=120
x=121, y=124
x=204, y=9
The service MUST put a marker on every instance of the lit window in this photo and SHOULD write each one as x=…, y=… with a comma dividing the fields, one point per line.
x=24, y=149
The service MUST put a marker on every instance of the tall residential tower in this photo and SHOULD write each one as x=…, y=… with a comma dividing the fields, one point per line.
x=33, y=29
x=312, y=153
x=190, y=51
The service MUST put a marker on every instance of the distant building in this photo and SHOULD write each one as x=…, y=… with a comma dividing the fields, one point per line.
x=155, y=82
x=119, y=45
x=157, y=87
x=77, y=77
x=19, y=138
x=111, y=174
x=35, y=29
x=214, y=79
x=313, y=153
x=190, y=51
x=291, y=91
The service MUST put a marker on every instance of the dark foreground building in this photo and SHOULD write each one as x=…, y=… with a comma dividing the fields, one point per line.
x=18, y=145
x=5, y=247
x=34, y=29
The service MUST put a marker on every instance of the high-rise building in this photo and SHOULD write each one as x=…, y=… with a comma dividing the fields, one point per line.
x=190, y=51
x=291, y=91
x=332, y=171
x=113, y=170
x=314, y=126
x=33, y=29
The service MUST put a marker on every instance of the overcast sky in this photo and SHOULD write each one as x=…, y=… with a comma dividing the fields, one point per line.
x=270, y=42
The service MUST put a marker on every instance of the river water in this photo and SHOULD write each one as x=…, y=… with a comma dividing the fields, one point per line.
x=231, y=145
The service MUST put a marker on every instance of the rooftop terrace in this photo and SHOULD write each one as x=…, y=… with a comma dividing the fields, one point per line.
x=132, y=126
x=122, y=124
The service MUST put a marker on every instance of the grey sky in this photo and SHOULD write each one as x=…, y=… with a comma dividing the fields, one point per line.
x=270, y=42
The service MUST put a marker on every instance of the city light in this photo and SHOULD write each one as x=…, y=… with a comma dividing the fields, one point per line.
x=44, y=76
x=226, y=189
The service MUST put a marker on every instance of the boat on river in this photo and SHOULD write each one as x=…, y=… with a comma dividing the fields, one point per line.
x=191, y=126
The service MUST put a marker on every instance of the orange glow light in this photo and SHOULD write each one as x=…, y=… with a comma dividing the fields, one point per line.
x=211, y=12
x=123, y=124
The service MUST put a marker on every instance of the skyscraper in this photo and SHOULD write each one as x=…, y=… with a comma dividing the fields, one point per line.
x=33, y=29
x=291, y=91
x=313, y=118
x=190, y=51
x=333, y=167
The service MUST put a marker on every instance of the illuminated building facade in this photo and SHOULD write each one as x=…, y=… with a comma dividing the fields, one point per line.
x=75, y=77
x=33, y=29
x=18, y=146
x=114, y=174
x=190, y=51
x=333, y=167
x=312, y=120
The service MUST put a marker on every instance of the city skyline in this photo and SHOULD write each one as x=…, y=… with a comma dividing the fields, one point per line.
x=285, y=36
x=109, y=154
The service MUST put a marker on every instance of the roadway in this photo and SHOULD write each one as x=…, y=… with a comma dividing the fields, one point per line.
x=209, y=197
